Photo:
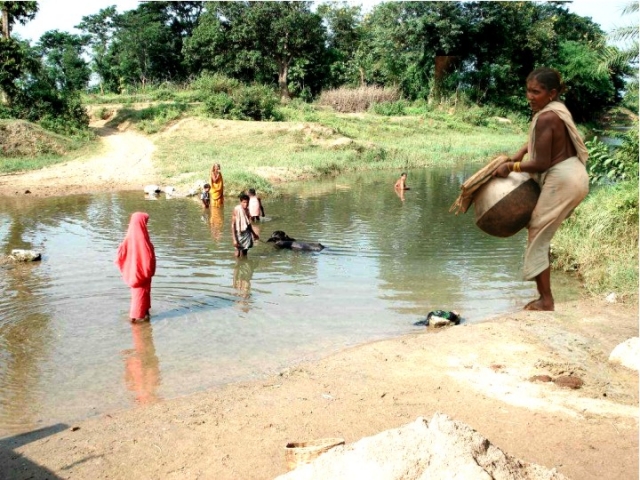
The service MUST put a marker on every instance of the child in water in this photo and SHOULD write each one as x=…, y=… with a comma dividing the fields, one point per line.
x=136, y=260
x=205, y=196
x=256, y=210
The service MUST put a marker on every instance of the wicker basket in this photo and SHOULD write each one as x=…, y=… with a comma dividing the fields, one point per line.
x=299, y=453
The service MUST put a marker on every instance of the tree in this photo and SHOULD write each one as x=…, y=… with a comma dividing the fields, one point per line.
x=13, y=12
x=11, y=53
x=61, y=54
x=344, y=34
x=254, y=40
x=100, y=29
x=143, y=47
x=626, y=58
x=401, y=41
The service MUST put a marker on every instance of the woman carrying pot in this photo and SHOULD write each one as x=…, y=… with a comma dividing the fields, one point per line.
x=557, y=160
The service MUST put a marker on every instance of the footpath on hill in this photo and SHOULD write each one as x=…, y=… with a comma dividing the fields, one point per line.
x=123, y=163
x=481, y=374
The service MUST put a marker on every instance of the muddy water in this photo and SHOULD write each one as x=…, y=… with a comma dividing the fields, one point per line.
x=67, y=350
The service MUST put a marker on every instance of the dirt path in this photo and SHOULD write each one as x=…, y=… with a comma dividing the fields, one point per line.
x=124, y=163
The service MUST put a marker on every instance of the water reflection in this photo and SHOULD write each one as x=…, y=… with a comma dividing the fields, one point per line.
x=242, y=274
x=142, y=368
x=216, y=222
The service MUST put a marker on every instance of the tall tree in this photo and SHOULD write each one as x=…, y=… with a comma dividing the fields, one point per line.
x=258, y=38
x=11, y=53
x=627, y=56
x=344, y=34
x=13, y=12
x=401, y=41
x=61, y=54
x=101, y=28
x=143, y=46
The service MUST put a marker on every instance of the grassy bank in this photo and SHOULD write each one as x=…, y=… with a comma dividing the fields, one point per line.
x=320, y=142
x=600, y=241
x=27, y=146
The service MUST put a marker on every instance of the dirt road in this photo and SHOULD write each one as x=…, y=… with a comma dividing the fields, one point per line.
x=123, y=163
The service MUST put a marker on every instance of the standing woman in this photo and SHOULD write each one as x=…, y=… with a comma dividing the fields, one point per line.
x=557, y=160
x=136, y=260
x=217, y=186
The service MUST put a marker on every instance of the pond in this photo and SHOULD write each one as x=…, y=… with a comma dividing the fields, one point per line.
x=68, y=351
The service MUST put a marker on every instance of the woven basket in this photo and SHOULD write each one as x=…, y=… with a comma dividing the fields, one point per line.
x=299, y=453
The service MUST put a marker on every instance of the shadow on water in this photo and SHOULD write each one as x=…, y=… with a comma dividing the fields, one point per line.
x=68, y=351
x=14, y=466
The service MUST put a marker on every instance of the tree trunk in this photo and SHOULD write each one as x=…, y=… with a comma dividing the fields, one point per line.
x=4, y=98
x=5, y=23
x=283, y=70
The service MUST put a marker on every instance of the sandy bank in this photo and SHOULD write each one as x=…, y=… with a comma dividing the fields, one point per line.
x=478, y=374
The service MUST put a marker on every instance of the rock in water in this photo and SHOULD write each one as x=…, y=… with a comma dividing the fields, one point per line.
x=25, y=255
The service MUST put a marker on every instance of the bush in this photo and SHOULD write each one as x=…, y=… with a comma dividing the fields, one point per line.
x=628, y=153
x=219, y=105
x=151, y=119
x=389, y=109
x=600, y=240
x=605, y=167
x=162, y=94
x=253, y=102
x=210, y=84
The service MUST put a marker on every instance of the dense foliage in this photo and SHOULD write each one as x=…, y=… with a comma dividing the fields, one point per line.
x=606, y=166
x=437, y=52
x=41, y=83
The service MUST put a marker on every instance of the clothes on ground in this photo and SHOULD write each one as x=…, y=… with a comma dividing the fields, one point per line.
x=136, y=260
x=563, y=187
x=243, y=228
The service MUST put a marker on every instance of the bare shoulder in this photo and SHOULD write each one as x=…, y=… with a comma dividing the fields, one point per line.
x=549, y=119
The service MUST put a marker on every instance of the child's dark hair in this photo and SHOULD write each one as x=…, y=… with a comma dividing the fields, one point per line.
x=403, y=174
x=243, y=196
x=206, y=185
x=252, y=191
x=549, y=78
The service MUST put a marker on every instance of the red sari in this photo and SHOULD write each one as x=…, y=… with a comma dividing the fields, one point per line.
x=136, y=260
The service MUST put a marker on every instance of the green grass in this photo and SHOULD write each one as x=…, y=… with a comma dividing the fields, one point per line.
x=600, y=241
x=150, y=119
x=319, y=142
x=26, y=146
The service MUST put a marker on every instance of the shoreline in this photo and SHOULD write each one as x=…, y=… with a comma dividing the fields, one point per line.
x=477, y=373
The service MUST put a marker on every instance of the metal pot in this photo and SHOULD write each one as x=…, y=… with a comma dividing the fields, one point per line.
x=503, y=206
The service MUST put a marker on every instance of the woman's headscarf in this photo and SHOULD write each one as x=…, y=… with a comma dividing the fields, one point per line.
x=136, y=257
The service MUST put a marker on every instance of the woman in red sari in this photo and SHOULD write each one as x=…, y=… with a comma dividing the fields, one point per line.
x=137, y=262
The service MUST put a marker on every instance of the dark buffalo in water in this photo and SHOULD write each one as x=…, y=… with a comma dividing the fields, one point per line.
x=281, y=240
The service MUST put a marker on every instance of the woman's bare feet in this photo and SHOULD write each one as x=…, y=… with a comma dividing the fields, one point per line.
x=540, y=305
